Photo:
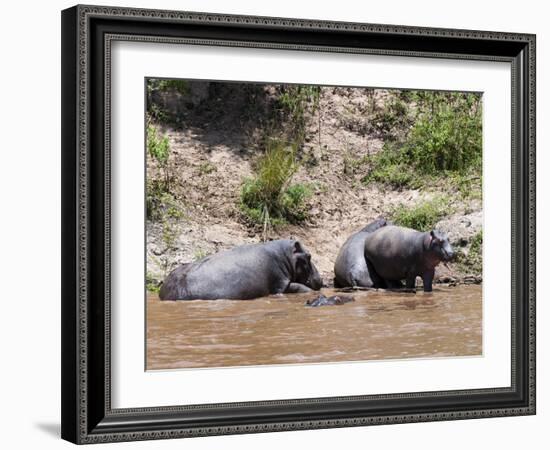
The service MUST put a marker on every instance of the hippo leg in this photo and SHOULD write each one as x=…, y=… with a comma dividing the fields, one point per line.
x=411, y=281
x=377, y=281
x=362, y=280
x=297, y=287
x=427, y=278
x=394, y=284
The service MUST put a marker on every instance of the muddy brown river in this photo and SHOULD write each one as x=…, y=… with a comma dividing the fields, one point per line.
x=281, y=330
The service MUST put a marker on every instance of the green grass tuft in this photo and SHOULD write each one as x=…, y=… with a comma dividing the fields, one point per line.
x=151, y=284
x=156, y=84
x=269, y=198
x=472, y=260
x=206, y=168
x=199, y=254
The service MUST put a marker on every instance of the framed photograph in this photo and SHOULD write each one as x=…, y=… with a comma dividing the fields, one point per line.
x=279, y=224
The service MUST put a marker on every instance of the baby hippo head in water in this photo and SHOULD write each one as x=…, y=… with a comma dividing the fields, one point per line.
x=305, y=271
x=437, y=242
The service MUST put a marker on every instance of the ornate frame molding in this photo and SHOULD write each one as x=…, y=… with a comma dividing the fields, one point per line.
x=84, y=423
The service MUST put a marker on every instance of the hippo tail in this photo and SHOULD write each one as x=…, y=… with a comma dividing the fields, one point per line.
x=174, y=286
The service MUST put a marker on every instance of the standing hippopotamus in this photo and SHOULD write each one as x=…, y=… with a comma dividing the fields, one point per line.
x=244, y=272
x=351, y=268
x=398, y=253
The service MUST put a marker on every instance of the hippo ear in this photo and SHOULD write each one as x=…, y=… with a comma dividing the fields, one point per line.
x=428, y=240
x=298, y=247
x=436, y=237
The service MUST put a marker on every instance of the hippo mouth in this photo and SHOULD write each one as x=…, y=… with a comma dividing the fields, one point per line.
x=447, y=256
x=314, y=284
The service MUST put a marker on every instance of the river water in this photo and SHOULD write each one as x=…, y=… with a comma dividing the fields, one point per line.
x=281, y=330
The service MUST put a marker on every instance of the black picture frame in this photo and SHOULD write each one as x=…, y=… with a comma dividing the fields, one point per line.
x=87, y=416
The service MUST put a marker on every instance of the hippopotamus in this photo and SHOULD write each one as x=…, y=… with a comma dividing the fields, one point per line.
x=351, y=268
x=245, y=272
x=398, y=253
x=323, y=300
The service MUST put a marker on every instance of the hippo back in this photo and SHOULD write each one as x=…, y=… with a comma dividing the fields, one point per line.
x=395, y=251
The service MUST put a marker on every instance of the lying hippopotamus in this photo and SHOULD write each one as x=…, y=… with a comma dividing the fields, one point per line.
x=244, y=272
x=398, y=253
x=351, y=268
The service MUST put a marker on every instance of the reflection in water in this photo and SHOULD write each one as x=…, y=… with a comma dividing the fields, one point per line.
x=281, y=330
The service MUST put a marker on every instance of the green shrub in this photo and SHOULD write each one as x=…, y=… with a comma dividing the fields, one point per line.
x=152, y=284
x=444, y=140
x=268, y=198
x=390, y=166
x=161, y=204
x=398, y=175
x=158, y=148
x=477, y=243
x=448, y=137
x=156, y=84
x=295, y=99
x=293, y=202
x=273, y=173
x=468, y=184
x=472, y=261
x=423, y=216
x=475, y=255
x=155, y=110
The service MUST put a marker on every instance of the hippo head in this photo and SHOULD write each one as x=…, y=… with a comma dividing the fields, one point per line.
x=305, y=271
x=437, y=242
